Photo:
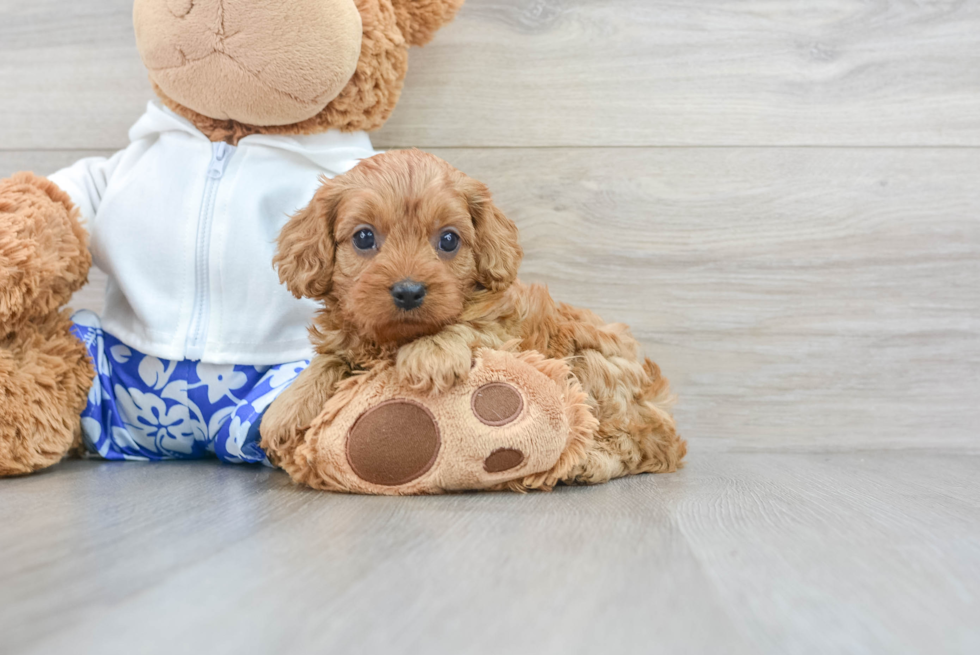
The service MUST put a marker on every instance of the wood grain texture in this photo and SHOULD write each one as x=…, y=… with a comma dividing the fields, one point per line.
x=716, y=72
x=572, y=72
x=737, y=553
x=70, y=74
x=797, y=298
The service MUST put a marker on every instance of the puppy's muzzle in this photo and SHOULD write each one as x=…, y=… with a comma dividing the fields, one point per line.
x=408, y=294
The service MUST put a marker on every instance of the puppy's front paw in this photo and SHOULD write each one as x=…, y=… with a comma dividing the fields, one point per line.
x=434, y=364
x=281, y=433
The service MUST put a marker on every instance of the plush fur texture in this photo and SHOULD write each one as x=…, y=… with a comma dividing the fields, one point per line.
x=45, y=373
x=264, y=62
x=410, y=199
x=44, y=254
x=389, y=27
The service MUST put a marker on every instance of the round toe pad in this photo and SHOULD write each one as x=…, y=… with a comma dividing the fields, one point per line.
x=502, y=460
x=497, y=403
x=393, y=443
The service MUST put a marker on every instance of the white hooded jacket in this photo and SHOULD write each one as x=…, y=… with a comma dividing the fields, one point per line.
x=186, y=231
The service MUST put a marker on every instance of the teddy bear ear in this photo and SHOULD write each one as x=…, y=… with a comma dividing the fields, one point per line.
x=419, y=20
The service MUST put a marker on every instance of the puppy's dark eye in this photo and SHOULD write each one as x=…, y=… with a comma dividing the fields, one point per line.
x=364, y=239
x=449, y=242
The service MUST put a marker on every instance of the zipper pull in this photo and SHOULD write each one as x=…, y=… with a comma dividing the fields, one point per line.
x=221, y=153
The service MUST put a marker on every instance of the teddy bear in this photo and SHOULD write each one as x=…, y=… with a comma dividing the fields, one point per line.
x=257, y=101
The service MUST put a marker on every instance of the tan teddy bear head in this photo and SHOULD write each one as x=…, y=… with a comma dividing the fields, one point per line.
x=239, y=67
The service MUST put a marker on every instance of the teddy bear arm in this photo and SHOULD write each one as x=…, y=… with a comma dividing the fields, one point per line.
x=44, y=254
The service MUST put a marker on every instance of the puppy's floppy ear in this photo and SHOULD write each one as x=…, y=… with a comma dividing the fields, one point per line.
x=305, y=256
x=497, y=249
x=420, y=19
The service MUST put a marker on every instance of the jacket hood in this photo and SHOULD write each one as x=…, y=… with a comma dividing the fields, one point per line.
x=334, y=151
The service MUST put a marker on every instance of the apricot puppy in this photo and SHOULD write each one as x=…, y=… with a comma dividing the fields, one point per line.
x=416, y=269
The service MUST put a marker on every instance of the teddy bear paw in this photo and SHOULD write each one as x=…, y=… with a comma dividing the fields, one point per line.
x=518, y=421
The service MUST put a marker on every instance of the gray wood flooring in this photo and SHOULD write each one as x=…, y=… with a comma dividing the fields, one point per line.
x=782, y=198
x=873, y=552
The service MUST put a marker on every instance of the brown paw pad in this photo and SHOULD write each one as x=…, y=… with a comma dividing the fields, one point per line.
x=393, y=443
x=497, y=404
x=503, y=459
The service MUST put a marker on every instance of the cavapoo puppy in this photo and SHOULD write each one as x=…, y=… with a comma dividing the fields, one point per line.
x=417, y=267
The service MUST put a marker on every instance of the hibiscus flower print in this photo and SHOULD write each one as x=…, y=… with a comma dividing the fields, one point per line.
x=220, y=380
x=142, y=407
x=154, y=373
x=153, y=426
x=285, y=374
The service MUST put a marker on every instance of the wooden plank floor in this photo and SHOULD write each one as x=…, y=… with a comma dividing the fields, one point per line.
x=875, y=552
x=781, y=198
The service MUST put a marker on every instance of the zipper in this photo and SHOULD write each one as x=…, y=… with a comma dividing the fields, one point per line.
x=197, y=333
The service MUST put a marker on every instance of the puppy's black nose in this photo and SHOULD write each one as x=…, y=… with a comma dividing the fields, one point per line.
x=408, y=294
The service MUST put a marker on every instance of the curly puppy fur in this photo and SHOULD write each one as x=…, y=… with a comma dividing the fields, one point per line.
x=45, y=372
x=390, y=27
x=409, y=200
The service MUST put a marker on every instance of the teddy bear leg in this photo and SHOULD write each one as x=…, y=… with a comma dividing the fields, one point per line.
x=45, y=376
x=45, y=373
x=519, y=421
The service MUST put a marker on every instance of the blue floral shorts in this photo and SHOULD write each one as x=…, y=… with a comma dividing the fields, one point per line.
x=144, y=408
